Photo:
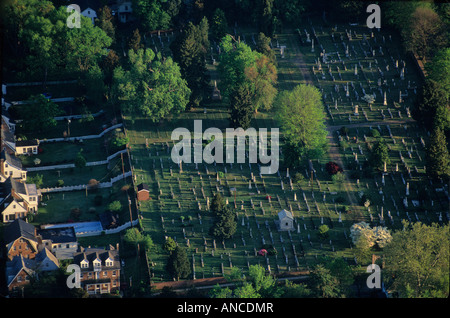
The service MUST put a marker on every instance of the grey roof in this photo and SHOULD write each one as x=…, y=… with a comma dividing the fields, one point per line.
x=142, y=186
x=283, y=213
x=31, y=189
x=24, y=188
x=91, y=254
x=18, y=263
x=19, y=228
x=11, y=159
x=59, y=234
x=45, y=253
x=18, y=187
x=25, y=143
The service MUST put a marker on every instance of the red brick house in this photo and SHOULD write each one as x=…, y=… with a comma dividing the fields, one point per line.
x=20, y=238
x=100, y=269
x=143, y=192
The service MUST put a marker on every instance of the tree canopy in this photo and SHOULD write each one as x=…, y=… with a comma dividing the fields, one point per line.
x=417, y=260
x=302, y=119
x=152, y=87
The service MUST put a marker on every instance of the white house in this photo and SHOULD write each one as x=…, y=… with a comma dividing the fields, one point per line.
x=286, y=221
x=89, y=13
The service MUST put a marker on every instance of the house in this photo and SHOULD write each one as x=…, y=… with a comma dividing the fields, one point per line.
x=18, y=272
x=11, y=209
x=46, y=261
x=100, y=269
x=89, y=8
x=108, y=220
x=29, y=147
x=61, y=241
x=26, y=193
x=8, y=141
x=124, y=11
x=11, y=166
x=20, y=238
x=143, y=192
x=285, y=221
x=20, y=269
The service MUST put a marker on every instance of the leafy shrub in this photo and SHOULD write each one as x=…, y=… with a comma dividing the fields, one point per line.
x=332, y=168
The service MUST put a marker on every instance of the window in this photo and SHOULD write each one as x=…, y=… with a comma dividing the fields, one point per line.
x=114, y=273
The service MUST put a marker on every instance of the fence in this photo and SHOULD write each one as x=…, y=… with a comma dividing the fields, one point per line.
x=72, y=165
x=78, y=116
x=83, y=186
x=83, y=137
x=110, y=231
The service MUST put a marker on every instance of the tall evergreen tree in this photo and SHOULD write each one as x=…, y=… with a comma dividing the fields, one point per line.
x=241, y=107
x=189, y=52
x=431, y=98
x=437, y=156
x=178, y=264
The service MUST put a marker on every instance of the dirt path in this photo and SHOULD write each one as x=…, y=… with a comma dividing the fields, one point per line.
x=333, y=150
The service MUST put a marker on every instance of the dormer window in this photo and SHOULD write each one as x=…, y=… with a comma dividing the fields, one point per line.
x=84, y=264
x=97, y=264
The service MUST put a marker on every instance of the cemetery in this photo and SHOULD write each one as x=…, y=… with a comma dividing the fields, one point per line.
x=123, y=133
x=367, y=85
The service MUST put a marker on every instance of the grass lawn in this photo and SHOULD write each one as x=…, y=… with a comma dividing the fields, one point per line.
x=176, y=195
x=58, y=205
x=76, y=176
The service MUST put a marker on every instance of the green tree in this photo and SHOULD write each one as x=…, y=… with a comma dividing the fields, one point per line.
x=379, y=155
x=80, y=161
x=95, y=84
x=189, y=52
x=323, y=283
x=292, y=290
x=239, y=65
x=105, y=21
x=225, y=224
x=221, y=292
x=426, y=33
x=219, y=25
x=170, y=245
x=437, y=156
x=151, y=15
x=438, y=69
x=263, y=46
x=153, y=87
x=178, y=264
x=417, y=260
x=323, y=231
x=115, y=206
x=134, y=237
x=264, y=285
x=301, y=116
x=38, y=114
x=241, y=107
x=247, y=290
x=264, y=17
x=37, y=179
x=135, y=41
x=430, y=98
